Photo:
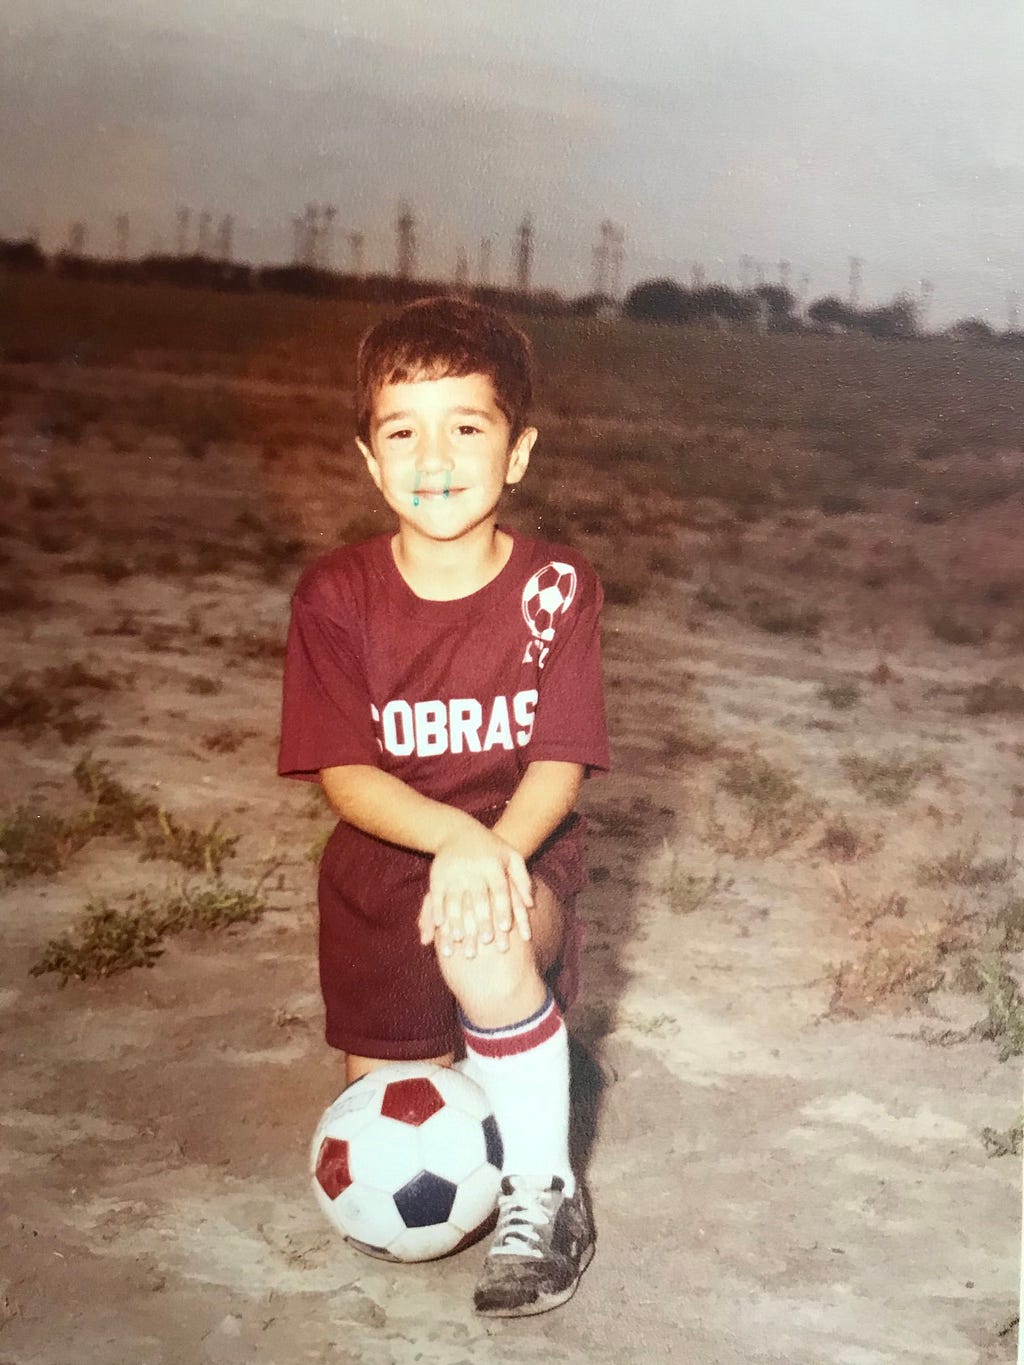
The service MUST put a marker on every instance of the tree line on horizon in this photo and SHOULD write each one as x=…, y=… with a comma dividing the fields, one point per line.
x=766, y=307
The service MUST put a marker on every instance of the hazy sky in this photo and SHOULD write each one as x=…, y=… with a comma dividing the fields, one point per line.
x=805, y=130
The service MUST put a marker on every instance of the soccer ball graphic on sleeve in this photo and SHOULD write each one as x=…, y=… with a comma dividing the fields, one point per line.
x=547, y=596
x=406, y=1163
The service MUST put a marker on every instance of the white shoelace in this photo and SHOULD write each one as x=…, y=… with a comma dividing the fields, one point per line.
x=522, y=1214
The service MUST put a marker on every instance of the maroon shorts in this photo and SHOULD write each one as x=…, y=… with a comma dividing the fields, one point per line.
x=383, y=991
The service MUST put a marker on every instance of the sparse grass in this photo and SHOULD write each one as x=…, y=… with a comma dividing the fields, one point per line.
x=1005, y=1141
x=19, y=595
x=770, y=810
x=684, y=891
x=1004, y=1023
x=841, y=696
x=901, y=967
x=962, y=867
x=201, y=686
x=197, y=850
x=841, y=842
x=688, y=741
x=779, y=617
x=840, y=504
x=759, y=784
x=227, y=740
x=952, y=629
x=37, y=842
x=76, y=674
x=1009, y=921
x=108, y=939
x=710, y=597
x=113, y=808
x=33, y=706
x=890, y=778
x=105, y=564
x=257, y=645
x=996, y=696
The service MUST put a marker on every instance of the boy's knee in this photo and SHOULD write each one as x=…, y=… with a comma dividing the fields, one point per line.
x=490, y=973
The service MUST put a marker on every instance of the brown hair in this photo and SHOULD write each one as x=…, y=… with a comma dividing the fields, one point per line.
x=443, y=338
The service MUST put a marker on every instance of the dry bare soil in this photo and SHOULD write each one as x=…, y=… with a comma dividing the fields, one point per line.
x=797, y=1085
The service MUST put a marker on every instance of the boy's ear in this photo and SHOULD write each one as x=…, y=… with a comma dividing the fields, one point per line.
x=371, y=461
x=519, y=457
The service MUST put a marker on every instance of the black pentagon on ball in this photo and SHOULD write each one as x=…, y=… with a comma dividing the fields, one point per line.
x=492, y=1141
x=424, y=1200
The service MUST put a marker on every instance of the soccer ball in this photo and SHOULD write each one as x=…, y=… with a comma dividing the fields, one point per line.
x=548, y=594
x=406, y=1163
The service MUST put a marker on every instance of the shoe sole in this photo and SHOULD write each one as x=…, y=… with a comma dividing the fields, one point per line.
x=547, y=1301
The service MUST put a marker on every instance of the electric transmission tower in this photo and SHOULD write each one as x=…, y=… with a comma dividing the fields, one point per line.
x=405, y=264
x=122, y=232
x=697, y=275
x=461, y=277
x=203, y=243
x=184, y=217
x=784, y=269
x=524, y=255
x=225, y=237
x=617, y=261
x=76, y=240
x=856, y=269
x=602, y=254
x=355, y=253
x=483, y=272
x=924, y=303
x=609, y=254
x=1012, y=317
x=325, y=237
x=746, y=269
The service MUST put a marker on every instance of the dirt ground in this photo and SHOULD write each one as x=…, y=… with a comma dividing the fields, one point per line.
x=784, y=1168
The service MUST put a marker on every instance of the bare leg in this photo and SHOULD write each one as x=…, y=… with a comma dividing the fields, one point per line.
x=497, y=988
x=362, y=1066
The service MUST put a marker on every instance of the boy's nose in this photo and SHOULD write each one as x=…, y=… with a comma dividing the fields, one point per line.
x=435, y=453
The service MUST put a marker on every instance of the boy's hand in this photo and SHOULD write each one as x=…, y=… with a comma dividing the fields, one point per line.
x=479, y=890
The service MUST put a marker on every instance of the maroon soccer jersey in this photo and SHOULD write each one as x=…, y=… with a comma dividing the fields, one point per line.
x=454, y=698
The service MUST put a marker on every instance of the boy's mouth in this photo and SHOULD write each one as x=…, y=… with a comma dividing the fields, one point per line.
x=418, y=492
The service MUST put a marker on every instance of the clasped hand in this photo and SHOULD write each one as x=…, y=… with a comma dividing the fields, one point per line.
x=479, y=892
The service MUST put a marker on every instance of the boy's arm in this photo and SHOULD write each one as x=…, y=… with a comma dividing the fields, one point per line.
x=478, y=881
x=546, y=794
x=479, y=885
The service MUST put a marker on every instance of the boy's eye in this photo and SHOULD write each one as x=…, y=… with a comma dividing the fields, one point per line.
x=401, y=434
x=466, y=430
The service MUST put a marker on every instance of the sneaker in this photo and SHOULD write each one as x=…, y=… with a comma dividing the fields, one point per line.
x=543, y=1243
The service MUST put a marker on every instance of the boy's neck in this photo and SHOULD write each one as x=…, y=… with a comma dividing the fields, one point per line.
x=443, y=571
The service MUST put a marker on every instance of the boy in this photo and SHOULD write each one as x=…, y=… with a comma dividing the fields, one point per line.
x=443, y=684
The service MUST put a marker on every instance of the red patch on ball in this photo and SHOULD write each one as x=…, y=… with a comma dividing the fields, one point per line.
x=332, y=1167
x=411, y=1102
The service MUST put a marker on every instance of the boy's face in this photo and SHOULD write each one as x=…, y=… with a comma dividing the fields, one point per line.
x=440, y=453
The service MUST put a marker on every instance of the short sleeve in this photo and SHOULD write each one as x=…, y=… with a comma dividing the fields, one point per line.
x=570, y=722
x=326, y=718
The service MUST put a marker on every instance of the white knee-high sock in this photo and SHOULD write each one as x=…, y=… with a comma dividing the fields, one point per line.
x=524, y=1070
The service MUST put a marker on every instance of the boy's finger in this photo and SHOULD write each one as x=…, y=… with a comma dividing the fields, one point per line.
x=501, y=907
x=467, y=924
x=520, y=880
x=426, y=922
x=521, y=915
